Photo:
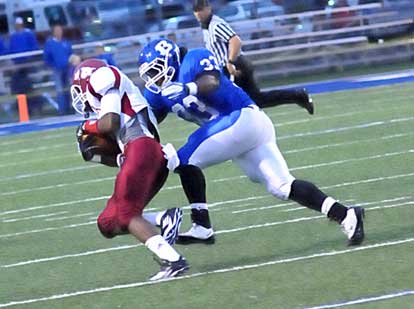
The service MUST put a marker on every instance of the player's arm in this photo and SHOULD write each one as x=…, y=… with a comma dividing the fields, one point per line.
x=97, y=138
x=235, y=44
x=205, y=83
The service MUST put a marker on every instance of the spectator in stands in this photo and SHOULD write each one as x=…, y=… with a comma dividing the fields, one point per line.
x=56, y=55
x=23, y=40
x=103, y=54
x=225, y=44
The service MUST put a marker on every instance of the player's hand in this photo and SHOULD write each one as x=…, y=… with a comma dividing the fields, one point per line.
x=173, y=161
x=175, y=92
x=231, y=68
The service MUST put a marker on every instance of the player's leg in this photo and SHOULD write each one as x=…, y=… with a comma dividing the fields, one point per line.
x=273, y=97
x=194, y=185
x=267, y=165
x=141, y=176
x=216, y=142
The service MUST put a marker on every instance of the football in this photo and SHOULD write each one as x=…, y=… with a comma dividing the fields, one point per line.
x=96, y=144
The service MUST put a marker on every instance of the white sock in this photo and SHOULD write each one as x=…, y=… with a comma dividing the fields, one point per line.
x=327, y=204
x=162, y=249
x=153, y=217
x=199, y=206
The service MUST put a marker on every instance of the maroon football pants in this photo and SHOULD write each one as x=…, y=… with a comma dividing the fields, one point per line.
x=142, y=175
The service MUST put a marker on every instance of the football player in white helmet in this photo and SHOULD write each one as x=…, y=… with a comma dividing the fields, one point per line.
x=123, y=115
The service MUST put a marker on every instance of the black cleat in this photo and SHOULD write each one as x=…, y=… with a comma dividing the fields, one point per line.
x=305, y=101
x=197, y=234
x=353, y=225
x=171, y=269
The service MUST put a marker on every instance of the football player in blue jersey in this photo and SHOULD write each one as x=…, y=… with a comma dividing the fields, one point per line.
x=232, y=127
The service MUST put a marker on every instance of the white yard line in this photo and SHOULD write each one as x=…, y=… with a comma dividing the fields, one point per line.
x=18, y=139
x=313, y=133
x=61, y=185
x=239, y=229
x=365, y=300
x=37, y=149
x=348, y=128
x=358, y=204
x=50, y=172
x=60, y=157
x=210, y=205
x=47, y=229
x=75, y=255
x=91, y=199
x=34, y=217
x=213, y=272
x=70, y=217
x=353, y=142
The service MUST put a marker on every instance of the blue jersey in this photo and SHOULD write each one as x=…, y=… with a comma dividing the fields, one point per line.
x=200, y=109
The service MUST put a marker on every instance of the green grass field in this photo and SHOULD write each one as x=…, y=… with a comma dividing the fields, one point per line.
x=358, y=147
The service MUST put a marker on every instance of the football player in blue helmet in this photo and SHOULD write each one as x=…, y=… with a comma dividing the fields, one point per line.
x=160, y=62
x=232, y=127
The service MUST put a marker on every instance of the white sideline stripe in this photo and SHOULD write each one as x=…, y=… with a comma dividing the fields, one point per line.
x=35, y=217
x=365, y=300
x=213, y=272
x=70, y=217
x=327, y=131
x=249, y=227
x=61, y=185
x=92, y=199
x=358, y=204
x=50, y=172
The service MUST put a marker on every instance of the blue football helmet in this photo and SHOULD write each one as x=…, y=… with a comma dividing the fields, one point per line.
x=159, y=62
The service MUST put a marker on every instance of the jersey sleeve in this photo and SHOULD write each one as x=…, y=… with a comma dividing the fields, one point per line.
x=223, y=32
x=156, y=102
x=197, y=62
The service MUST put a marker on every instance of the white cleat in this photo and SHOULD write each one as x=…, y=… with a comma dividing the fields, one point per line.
x=197, y=234
x=353, y=225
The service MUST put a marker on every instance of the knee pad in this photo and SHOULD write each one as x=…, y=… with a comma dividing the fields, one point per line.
x=281, y=191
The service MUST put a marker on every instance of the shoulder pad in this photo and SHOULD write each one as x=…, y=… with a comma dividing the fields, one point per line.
x=103, y=79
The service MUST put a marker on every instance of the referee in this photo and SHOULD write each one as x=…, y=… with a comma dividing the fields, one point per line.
x=225, y=44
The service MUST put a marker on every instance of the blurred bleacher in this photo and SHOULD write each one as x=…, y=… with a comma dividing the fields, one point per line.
x=279, y=46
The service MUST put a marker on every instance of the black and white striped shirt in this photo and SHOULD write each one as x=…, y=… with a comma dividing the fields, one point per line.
x=217, y=37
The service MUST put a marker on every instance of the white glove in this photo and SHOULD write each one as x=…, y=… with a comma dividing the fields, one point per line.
x=172, y=157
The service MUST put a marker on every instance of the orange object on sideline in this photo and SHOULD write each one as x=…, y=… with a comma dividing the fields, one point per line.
x=23, y=110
